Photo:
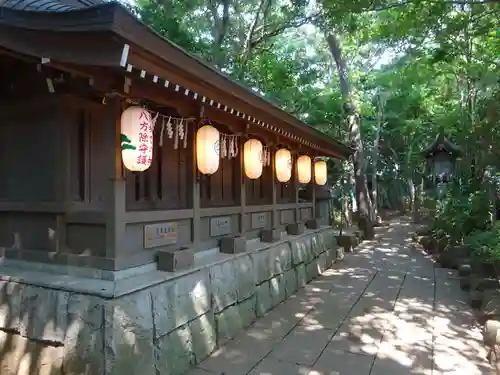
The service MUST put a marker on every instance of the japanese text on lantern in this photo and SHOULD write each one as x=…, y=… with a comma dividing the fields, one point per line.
x=145, y=149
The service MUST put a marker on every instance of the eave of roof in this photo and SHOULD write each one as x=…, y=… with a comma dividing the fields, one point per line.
x=116, y=18
x=448, y=146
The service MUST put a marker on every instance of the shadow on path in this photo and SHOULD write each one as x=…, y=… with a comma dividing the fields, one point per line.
x=384, y=310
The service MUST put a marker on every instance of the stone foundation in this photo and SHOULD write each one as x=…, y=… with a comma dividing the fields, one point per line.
x=155, y=323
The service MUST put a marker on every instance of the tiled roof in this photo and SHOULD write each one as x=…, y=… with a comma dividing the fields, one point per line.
x=49, y=5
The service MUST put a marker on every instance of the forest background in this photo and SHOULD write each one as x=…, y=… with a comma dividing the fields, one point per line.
x=384, y=76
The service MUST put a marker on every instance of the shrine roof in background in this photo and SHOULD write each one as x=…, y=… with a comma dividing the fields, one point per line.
x=442, y=145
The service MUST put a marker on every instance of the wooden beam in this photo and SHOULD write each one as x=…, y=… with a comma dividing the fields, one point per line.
x=173, y=73
x=109, y=81
x=235, y=125
x=68, y=47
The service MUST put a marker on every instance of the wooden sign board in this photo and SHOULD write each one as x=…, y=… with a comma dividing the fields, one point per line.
x=305, y=214
x=160, y=234
x=259, y=220
x=286, y=216
x=220, y=226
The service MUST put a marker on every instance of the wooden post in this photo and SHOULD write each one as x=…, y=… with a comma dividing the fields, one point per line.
x=116, y=198
x=195, y=235
x=274, y=216
x=242, y=186
x=272, y=234
x=115, y=214
x=64, y=180
x=313, y=187
x=296, y=186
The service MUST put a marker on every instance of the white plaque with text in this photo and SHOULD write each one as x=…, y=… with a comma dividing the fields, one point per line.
x=220, y=226
x=287, y=216
x=258, y=220
x=163, y=234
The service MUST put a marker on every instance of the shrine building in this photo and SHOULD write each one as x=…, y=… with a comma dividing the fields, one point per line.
x=150, y=207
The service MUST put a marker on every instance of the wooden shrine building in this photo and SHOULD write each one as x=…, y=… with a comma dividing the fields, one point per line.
x=123, y=157
x=441, y=156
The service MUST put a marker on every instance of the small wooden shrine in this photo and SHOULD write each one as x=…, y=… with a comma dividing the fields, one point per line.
x=441, y=156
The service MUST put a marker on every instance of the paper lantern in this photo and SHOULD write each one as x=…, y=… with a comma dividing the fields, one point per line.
x=304, y=169
x=207, y=149
x=252, y=158
x=320, y=174
x=283, y=165
x=137, y=139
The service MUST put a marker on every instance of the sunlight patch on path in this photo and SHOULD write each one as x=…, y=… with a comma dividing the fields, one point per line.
x=384, y=310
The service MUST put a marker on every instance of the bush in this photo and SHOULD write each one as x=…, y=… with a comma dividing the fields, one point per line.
x=460, y=213
x=336, y=220
x=485, y=244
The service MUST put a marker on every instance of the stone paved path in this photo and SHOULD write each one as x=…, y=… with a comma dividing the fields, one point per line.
x=385, y=310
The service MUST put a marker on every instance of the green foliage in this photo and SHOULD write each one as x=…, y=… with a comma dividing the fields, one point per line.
x=336, y=218
x=485, y=244
x=461, y=213
x=435, y=63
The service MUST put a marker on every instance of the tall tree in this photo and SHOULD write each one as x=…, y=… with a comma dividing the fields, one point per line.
x=442, y=72
x=363, y=200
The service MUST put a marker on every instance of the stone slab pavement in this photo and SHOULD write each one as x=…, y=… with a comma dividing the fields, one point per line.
x=384, y=310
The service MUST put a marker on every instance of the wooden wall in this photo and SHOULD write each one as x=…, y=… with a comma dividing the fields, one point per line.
x=53, y=190
x=66, y=198
x=167, y=184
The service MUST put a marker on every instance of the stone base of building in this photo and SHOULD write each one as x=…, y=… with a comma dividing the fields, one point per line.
x=153, y=322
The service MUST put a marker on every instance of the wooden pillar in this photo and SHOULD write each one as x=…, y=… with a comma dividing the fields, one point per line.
x=63, y=166
x=243, y=194
x=296, y=186
x=196, y=193
x=115, y=199
x=313, y=187
x=196, y=200
x=64, y=177
x=275, y=222
x=115, y=214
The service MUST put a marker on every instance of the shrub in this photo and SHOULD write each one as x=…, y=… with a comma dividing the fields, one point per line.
x=460, y=213
x=485, y=244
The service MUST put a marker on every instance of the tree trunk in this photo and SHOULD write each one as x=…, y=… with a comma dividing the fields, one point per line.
x=411, y=189
x=362, y=196
x=219, y=30
x=250, y=35
x=374, y=196
x=418, y=201
x=345, y=210
x=381, y=105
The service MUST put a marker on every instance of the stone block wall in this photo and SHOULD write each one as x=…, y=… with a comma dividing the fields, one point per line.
x=161, y=330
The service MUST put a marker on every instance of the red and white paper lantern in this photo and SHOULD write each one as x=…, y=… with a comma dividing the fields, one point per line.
x=137, y=139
